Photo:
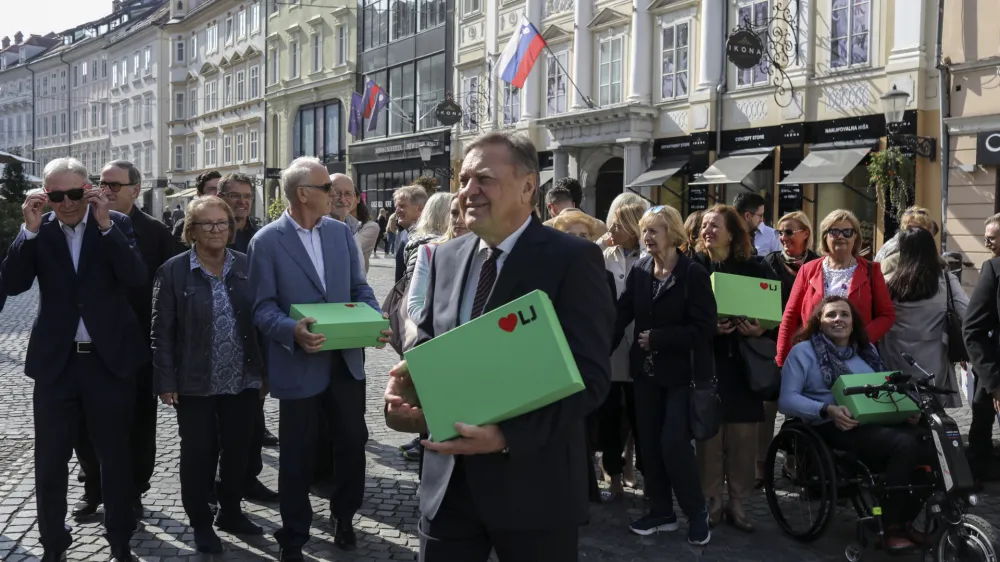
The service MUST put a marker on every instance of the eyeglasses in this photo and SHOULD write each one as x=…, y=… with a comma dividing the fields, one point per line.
x=213, y=226
x=58, y=196
x=238, y=196
x=838, y=232
x=989, y=239
x=788, y=233
x=326, y=187
x=342, y=194
x=114, y=186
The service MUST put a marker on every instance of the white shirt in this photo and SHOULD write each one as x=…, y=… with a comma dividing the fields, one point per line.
x=469, y=295
x=313, y=243
x=766, y=240
x=74, y=239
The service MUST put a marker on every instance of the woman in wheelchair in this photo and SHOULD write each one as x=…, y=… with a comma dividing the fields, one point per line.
x=835, y=343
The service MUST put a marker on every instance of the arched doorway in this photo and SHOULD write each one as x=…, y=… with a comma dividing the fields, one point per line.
x=610, y=183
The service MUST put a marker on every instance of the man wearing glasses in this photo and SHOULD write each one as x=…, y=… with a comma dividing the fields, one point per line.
x=750, y=206
x=237, y=191
x=120, y=184
x=307, y=257
x=86, y=345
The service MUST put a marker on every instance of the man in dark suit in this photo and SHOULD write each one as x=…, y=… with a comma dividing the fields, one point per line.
x=982, y=340
x=121, y=183
x=207, y=183
x=85, y=347
x=480, y=492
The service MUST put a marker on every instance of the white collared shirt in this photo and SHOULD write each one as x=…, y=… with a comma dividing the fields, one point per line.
x=469, y=294
x=313, y=243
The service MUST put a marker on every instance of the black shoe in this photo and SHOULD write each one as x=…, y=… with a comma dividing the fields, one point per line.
x=207, y=541
x=269, y=439
x=85, y=507
x=258, y=492
x=122, y=554
x=344, y=537
x=410, y=444
x=413, y=453
x=237, y=524
x=291, y=555
x=54, y=556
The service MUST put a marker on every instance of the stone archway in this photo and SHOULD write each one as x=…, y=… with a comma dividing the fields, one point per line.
x=589, y=164
x=610, y=183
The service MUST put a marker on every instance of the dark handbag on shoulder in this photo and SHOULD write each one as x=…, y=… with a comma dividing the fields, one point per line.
x=763, y=373
x=704, y=405
x=956, y=341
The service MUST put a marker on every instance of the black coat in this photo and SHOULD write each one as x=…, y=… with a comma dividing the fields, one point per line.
x=156, y=246
x=183, y=321
x=776, y=264
x=243, y=237
x=982, y=327
x=681, y=320
x=739, y=403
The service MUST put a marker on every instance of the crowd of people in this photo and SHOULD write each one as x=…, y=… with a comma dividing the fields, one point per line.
x=200, y=317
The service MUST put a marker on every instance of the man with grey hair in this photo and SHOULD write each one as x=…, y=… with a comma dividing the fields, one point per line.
x=410, y=201
x=121, y=183
x=86, y=345
x=344, y=201
x=307, y=257
x=480, y=492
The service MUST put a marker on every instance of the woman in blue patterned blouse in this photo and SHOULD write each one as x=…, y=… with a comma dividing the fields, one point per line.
x=208, y=365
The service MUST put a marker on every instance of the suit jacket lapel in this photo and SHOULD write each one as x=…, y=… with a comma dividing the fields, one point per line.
x=293, y=245
x=466, y=254
x=514, y=267
x=60, y=245
x=90, y=237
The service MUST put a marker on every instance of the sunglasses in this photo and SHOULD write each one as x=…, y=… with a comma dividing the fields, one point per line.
x=838, y=232
x=654, y=210
x=113, y=186
x=788, y=233
x=326, y=187
x=58, y=196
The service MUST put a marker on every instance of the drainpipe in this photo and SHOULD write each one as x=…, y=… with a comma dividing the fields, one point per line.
x=944, y=97
x=720, y=88
x=34, y=119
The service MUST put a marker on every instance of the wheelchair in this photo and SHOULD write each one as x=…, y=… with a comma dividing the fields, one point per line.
x=806, y=481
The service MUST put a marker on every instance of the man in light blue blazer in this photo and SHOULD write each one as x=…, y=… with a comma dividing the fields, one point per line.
x=307, y=257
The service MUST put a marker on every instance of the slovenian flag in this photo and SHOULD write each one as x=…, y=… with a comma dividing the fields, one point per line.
x=519, y=56
x=380, y=101
x=370, y=97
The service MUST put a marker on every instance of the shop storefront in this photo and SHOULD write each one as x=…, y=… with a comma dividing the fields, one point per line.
x=747, y=163
x=380, y=167
x=676, y=162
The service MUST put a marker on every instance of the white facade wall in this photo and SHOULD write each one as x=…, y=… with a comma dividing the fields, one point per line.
x=89, y=78
x=16, y=114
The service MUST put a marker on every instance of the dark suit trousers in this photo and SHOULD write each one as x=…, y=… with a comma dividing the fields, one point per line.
x=984, y=415
x=619, y=403
x=85, y=389
x=457, y=532
x=199, y=420
x=142, y=442
x=255, y=460
x=668, y=455
x=298, y=430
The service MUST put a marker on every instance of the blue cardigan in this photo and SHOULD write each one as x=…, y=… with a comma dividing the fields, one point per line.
x=803, y=391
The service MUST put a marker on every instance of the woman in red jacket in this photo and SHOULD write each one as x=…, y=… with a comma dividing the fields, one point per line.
x=839, y=272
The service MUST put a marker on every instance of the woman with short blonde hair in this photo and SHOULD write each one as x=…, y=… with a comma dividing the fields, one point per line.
x=831, y=221
x=578, y=224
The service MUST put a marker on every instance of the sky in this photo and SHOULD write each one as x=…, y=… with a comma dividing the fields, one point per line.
x=42, y=16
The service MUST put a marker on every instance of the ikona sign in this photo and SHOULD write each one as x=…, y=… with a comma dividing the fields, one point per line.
x=988, y=148
x=744, y=49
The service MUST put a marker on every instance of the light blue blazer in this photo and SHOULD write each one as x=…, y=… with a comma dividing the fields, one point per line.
x=281, y=274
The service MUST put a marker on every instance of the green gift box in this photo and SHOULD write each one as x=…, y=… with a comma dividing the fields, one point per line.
x=886, y=409
x=749, y=297
x=346, y=325
x=508, y=362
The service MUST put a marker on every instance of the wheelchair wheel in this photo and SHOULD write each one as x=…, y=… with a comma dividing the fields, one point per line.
x=800, y=482
x=971, y=540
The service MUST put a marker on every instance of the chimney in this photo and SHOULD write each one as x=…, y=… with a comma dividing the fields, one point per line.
x=5, y=42
x=18, y=38
x=116, y=5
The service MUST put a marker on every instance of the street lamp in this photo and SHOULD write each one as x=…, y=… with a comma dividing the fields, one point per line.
x=894, y=107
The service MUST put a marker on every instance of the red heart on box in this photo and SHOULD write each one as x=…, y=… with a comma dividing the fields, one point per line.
x=349, y=305
x=763, y=286
x=508, y=323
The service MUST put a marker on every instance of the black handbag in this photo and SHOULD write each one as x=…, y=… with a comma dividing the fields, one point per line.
x=762, y=372
x=956, y=341
x=704, y=405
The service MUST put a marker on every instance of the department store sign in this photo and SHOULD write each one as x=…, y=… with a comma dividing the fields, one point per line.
x=988, y=148
x=398, y=149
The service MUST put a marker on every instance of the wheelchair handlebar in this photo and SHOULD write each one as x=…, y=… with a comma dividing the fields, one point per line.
x=900, y=388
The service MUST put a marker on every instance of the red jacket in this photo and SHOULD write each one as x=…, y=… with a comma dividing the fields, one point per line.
x=807, y=292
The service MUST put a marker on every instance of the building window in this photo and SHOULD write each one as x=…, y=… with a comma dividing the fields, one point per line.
x=241, y=24
x=124, y=71
x=124, y=115
x=376, y=23
x=64, y=117
x=114, y=118
x=342, y=45
x=193, y=154
x=179, y=105
x=227, y=150
x=240, y=147
x=209, y=152
x=230, y=29
x=93, y=70
x=138, y=157
x=135, y=63
x=432, y=13
x=76, y=121
x=316, y=132
x=193, y=103
x=556, y=83
x=147, y=59
x=254, y=82
x=147, y=110
x=240, y=87
x=401, y=92
x=104, y=68
x=136, y=107
x=178, y=157
x=125, y=154
x=430, y=90
x=255, y=17
x=104, y=156
x=757, y=14
x=471, y=6
x=253, y=145
x=317, y=52
x=179, y=51
x=470, y=91
x=114, y=76
x=275, y=7
x=76, y=76
x=83, y=72
x=849, y=33
x=511, y=104
x=193, y=46
x=403, y=19
x=272, y=56
x=675, y=61
x=147, y=163
x=293, y=59
x=610, y=91
x=93, y=116
x=212, y=39
x=227, y=91
x=211, y=95
x=104, y=114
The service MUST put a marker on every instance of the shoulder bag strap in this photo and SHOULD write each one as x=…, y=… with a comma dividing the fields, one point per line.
x=871, y=287
x=947, y=285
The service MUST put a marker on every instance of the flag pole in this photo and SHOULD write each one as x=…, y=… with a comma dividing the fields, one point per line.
x=590, y=103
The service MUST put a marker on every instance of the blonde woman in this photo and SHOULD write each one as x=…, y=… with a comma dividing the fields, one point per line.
x=579, y=224
x=668, y=300
x=913, y=216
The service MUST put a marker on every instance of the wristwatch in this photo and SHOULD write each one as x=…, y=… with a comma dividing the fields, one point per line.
x=823, y=411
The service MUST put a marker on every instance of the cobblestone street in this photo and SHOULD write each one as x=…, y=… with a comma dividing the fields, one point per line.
x=387, y=522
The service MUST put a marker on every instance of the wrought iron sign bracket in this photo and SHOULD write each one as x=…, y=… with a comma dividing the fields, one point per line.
x=921, y=146
x=745, y=48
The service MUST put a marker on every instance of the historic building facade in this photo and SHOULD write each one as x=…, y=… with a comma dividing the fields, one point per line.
x=17, y=95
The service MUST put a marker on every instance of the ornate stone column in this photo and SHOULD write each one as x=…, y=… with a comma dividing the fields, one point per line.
x=640, y=51
x=583, y=52
x=711, y=42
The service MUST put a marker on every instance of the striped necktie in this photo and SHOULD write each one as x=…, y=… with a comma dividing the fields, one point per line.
x=487, y=277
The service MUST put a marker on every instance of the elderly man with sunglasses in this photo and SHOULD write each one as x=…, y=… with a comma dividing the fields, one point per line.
x=307, y=257
x=86, y=345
